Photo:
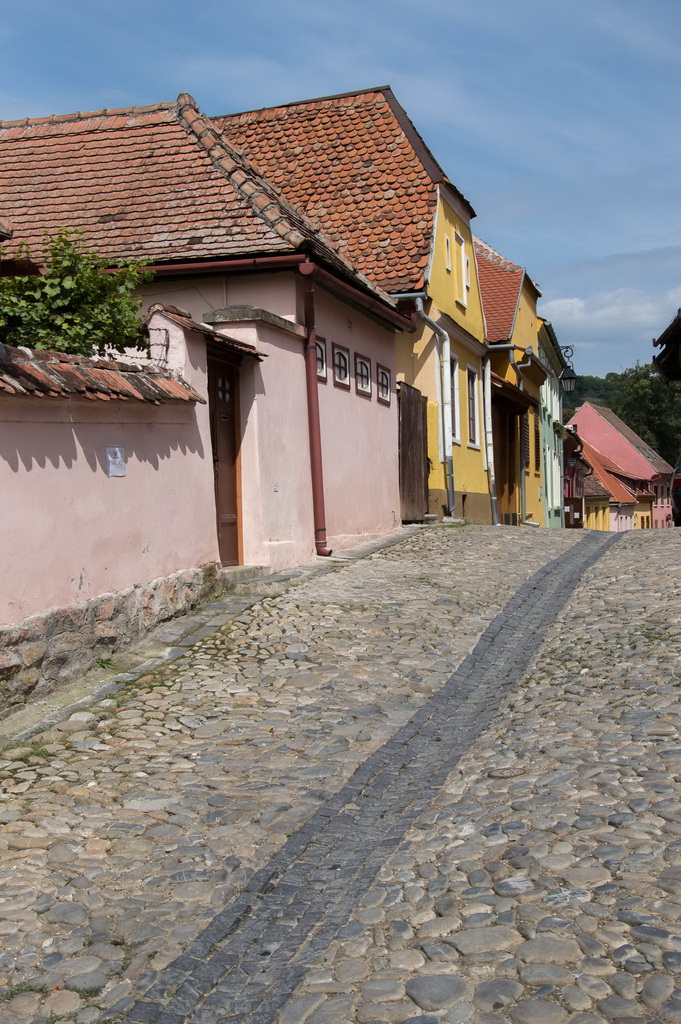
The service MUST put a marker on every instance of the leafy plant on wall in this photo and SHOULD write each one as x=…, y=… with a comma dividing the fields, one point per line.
x=73, y=306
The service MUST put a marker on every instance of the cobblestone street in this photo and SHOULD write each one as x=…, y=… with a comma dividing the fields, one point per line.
x=441, y=782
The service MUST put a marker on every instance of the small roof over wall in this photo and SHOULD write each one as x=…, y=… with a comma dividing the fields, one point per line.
x=42, y=374
x=182, y=318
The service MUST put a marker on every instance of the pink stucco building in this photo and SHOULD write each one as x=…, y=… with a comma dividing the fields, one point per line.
x=647, y=471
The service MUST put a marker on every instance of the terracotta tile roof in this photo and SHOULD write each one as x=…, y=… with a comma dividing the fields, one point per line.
x=155, y=183
x=41, y=374
x=500, y=285
x=355, y=164
x=603, y=473
x=656, y=463
x=594, y=487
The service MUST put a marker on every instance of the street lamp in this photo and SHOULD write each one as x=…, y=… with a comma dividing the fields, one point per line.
x=568, y=379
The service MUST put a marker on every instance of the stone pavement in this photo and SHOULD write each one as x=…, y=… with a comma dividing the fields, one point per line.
x=294, y=821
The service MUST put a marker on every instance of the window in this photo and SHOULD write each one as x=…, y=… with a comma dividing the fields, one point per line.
x=525, y=440
x=341, y=367
x=321, y=359
x=383, y=384
x=537, y=444
x=472, y=386
x=461, y=294
x=448, y=253
x=456, y=421
x=362, y=375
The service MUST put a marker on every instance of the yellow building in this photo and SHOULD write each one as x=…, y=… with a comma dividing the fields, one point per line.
x=597, y=514
x=510, y=305
x=356, y=165
x=445, y=361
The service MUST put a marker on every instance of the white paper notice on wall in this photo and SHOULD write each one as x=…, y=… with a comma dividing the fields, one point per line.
x=115, y=460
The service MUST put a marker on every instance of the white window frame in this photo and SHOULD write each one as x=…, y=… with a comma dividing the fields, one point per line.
x=472, y=372
x=339, y=382
x=380, y=397
x=456, y=398
x=461, y=295
x=322, y=372
x=362, y=360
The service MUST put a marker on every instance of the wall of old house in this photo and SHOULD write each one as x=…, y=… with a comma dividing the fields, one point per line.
x=597, y=513
x=454, y=290
x=96, y=559
x=359, y=432
x=622, y=518
x=78, y=533
x=277, y=525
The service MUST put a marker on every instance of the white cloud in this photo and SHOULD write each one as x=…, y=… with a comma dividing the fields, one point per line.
x=612, y=329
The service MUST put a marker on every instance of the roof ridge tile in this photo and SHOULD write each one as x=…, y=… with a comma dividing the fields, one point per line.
x=84, y=115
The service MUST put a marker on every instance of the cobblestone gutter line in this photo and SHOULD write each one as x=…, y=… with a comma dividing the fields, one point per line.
x=247, y=963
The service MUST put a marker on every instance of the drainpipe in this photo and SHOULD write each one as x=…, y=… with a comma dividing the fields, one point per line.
x=443, y=344
x=519, y=367
x=510, y=348
x=489, y=438
x=307, y=269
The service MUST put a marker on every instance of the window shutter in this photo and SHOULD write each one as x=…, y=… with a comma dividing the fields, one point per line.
x=525, y=440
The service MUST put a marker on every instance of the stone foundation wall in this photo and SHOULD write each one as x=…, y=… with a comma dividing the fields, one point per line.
x=477, y=508
x=45, y=650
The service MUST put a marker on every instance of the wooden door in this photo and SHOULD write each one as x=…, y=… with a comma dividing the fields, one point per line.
x=504, y=423
x=413, y=453
x=222, y=396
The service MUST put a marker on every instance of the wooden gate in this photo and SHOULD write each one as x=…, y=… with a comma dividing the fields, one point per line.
x=223, y=377
x=574, y=519
x=413, y=450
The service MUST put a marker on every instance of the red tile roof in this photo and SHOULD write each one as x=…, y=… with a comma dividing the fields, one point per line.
x=603, y=472
x=356, y=165
x=155, y=183
x=656, y=462
x=40, y=374
x=500, y=285
x=594, y=487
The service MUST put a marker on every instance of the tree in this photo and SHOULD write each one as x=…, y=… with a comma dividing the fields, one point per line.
x=643, y=399
x=601, y=390
x=73, y=306
x=652, y=407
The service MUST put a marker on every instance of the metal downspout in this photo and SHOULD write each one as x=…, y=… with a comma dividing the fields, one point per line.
x=316, y=464
x=489, y=439
x=443, y=344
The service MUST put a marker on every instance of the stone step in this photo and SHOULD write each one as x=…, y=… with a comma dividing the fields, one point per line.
x=235, y=575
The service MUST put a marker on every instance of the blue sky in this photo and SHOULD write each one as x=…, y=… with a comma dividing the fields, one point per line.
x=558, y=119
